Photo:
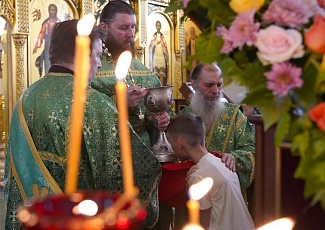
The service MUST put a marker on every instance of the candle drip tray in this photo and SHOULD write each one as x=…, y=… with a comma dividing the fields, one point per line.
x=82, y=210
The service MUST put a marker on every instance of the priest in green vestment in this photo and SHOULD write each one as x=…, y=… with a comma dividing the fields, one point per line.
x=36, y=156
x=118, y=20
x=228, y=129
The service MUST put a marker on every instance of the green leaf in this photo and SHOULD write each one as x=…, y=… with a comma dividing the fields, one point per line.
x=320, y=83
x=300, y=144
x=198, y=14
x=307, y=100
x=173, y=6
x=259, y=96
x=318, y=144
x=319, y=197
x=219, y=11
x=271, y=114
x=229, y=69
x=252, y=75
x=188, y=64
x=315, y=180
x=207, y=47
x=303, y=168
x=282, y=128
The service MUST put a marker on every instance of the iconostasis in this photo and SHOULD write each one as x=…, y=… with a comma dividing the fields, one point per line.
x=163, y=42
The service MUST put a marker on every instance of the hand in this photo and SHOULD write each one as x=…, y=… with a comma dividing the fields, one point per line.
x=135, y=95
x=248, y=110
x=161, y=120
x=35, y=49
x=229, y=161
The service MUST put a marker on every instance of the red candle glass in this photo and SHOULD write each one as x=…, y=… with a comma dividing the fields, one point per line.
x=81, y=210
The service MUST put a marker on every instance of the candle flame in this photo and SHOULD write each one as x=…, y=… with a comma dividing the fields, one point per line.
x=198, y=190
x=193, y=227
x=85, y=25
x=123, y=65
x=280, y=224
x=87, y=207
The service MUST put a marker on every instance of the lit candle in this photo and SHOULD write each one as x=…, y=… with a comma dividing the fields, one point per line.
x=122, y=67
x=193, y=227
x=197, y=191
x=280, y=224
x=81, y=72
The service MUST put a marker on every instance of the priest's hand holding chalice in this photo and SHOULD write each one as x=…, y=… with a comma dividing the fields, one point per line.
x=158, y=100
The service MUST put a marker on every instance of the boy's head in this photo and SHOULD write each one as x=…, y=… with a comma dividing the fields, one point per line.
x=185, y=130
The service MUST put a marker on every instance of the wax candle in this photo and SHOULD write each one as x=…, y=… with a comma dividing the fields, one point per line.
x=196, y=192
x=193, y=227
x=280, y=224
x=194, y=211
x=81, y=72
x=121, y=70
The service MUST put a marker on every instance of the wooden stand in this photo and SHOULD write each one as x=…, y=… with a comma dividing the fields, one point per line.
x=275, y=193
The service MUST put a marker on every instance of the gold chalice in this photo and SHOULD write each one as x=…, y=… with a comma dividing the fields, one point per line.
x=158, y=100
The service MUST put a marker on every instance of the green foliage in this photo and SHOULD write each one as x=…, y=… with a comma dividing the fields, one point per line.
x=300, y=144
x=207, y=46
x=282, y=128
x=289, y=113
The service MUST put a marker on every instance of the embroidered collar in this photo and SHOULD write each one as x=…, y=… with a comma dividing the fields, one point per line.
x=60, y=69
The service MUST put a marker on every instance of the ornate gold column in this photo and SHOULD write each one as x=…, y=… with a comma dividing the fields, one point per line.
x=20, y=40
x=87, y=7
x=4, y=120
x=141, y=42
x=143, y=14
x=179, y=54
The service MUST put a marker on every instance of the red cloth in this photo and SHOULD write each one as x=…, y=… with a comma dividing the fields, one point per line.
x=172, y=187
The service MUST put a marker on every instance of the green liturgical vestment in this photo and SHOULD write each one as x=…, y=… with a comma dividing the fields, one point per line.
x=233, y=134
x=139, y=75
x=37, y=148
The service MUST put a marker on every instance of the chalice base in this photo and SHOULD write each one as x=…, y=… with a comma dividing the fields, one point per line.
x=163, y=150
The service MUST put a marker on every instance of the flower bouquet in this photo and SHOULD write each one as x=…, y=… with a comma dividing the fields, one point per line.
x=276, y=50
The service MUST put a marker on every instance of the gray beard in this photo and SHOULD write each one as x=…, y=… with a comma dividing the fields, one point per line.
x=210, y=112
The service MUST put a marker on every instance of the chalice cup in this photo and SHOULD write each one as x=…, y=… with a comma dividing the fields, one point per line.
x=158, y=100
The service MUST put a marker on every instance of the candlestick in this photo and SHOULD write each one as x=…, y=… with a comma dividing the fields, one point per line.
x=81, y=72
x=122, y=67
x=197, y=191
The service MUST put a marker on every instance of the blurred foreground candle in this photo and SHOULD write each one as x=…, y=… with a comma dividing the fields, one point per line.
x=193, y=227
x=121, y=70
x=81, y=73
x=280, y=224
x=82, y=210
x=197, y=191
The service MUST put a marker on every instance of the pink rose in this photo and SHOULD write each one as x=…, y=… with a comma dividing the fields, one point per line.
x=276, y=45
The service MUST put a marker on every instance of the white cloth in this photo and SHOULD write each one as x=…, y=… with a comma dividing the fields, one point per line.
x=228, y=208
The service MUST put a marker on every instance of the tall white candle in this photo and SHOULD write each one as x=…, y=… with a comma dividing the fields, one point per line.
x=121, y=70
x=81, y=72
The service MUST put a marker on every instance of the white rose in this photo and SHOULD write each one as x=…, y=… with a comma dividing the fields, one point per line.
x=276, y=44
